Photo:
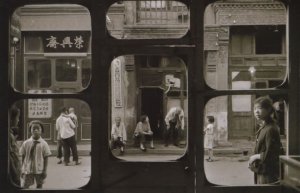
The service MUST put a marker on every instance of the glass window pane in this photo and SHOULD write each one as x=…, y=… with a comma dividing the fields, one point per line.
x=66, y=70
x=144, y=114
x=75, y=116
x=245, y=44
x=38, y=74
x=46, y=54
x=231, y=129
x=148, y=19
x=86, y=72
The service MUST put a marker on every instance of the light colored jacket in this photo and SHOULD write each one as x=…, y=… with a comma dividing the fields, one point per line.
x=65, y=126
x=119, y=132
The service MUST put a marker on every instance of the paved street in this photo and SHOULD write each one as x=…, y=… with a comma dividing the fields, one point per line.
x=223, y=171
x=229, y=171
x=67, y=177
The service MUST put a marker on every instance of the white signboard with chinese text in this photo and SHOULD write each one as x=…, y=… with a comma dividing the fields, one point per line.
x=39, y=108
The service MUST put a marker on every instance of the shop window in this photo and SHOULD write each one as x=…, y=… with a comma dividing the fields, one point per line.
x=47, y=54
x=86, y=72
x=66, y=70
x=39, y=74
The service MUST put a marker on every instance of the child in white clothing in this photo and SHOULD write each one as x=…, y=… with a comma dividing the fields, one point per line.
x=34, y=152
x=209, y=137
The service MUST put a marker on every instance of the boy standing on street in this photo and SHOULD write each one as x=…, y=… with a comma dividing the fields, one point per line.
x=35, y=152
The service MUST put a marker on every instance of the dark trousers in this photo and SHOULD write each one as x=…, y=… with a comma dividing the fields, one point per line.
x=70, y=144
x=117, y=143
x=172, y=131
x=59, y=148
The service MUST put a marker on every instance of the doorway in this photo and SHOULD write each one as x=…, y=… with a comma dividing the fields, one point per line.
x=152, y=105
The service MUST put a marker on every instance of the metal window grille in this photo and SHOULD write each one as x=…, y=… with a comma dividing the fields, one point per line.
x=161, y=13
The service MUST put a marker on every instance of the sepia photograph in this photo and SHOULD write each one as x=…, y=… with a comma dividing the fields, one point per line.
x=157, y=96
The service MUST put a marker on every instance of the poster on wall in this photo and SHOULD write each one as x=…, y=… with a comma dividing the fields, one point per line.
x=39, y=108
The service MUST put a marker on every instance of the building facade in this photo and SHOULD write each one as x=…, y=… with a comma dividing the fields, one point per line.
x=244, y=43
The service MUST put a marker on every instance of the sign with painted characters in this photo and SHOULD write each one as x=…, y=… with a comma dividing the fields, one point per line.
x=117, y=82
x=65, y=41
x=39, y=108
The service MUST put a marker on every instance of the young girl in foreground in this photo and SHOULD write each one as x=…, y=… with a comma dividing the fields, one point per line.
x=265, y=161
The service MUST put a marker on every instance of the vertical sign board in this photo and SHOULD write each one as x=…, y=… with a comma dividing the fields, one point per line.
x=117, y=78
x=39, y=108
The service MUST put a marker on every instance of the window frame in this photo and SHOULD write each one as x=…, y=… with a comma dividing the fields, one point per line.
x=190, y=168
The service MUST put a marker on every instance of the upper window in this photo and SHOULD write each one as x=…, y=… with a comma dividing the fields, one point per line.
x=242, y=52
x=148, y=19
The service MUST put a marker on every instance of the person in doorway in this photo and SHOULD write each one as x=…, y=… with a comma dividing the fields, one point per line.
x=66, y=127
x=118, y=135
x=14, y=162
x=35, y=152
x=209, y=137
x=143, y=133
x=174, y=123
x=265, y=161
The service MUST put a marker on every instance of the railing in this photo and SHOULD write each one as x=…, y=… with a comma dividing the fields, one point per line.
x=290, y=171
x=162, y=12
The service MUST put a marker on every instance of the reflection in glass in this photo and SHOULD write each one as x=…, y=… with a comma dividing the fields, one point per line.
x=148, y=107
x=66, y=70
x=46, y=54
x=47, y=112
x=148, y=19
x=38, y=74
x=234, y=136
x=245, y=45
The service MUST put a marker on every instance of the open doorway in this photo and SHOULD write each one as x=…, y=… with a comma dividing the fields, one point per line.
x=152, y=105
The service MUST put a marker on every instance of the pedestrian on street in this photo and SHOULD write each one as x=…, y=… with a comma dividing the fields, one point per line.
x=118, y=135
x=73, y=116
x=66, y=128
x=35, y=152
x=14, y=162
x=174, y=123
x=265, y=161
x=59, y=146
x=209, y=137
x=143, y=133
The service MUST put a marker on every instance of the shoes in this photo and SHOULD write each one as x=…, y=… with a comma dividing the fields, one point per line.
x=77, y=162
x=67, y=163
x=143, y=149
x=121, y=152
x=59, y=162
x=209, y=160
x=152, y=147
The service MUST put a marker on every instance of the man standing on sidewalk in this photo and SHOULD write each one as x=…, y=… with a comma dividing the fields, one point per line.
x=65, y=127
x=175, y=122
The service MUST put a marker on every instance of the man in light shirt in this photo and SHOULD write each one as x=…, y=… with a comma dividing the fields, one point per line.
x=65, y=126
x=174, y=121
x=118, y=135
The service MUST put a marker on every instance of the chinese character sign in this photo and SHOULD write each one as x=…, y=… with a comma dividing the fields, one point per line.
x=117, y=83
x=65, y=41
